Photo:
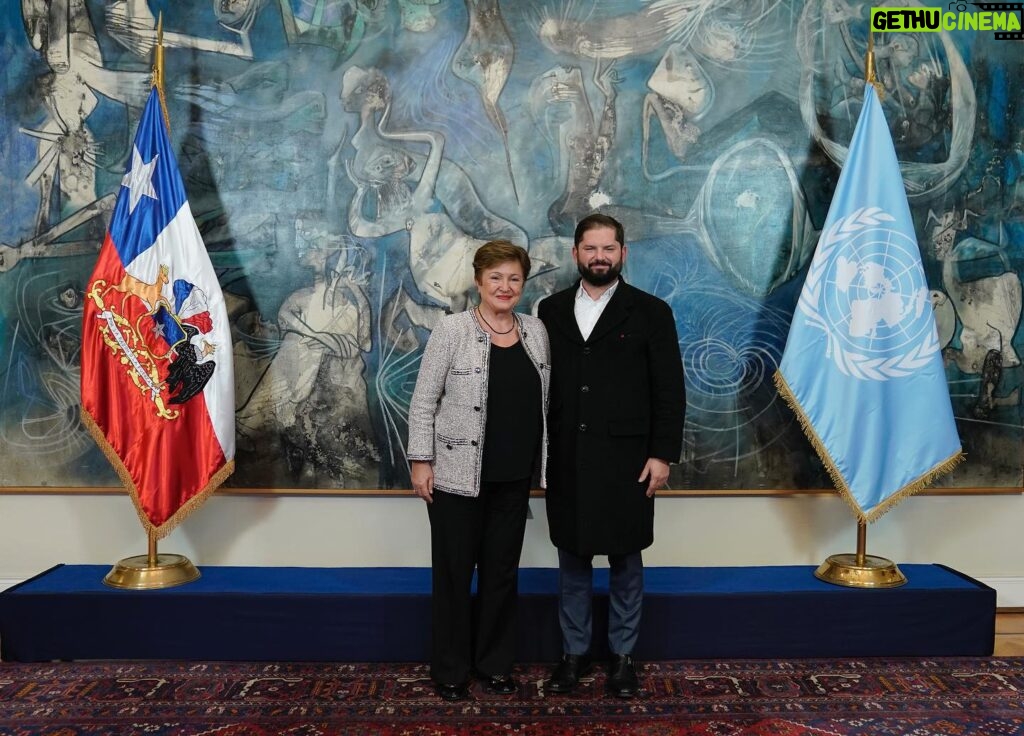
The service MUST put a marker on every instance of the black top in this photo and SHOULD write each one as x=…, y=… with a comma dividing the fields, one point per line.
x=514, y=424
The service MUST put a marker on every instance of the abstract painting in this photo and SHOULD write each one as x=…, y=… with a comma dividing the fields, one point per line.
x=345, y=158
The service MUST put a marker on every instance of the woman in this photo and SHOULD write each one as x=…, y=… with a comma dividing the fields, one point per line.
x=476, y=428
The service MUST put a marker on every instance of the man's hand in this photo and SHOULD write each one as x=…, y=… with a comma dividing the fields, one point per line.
x=656, y=473
x=423, y=479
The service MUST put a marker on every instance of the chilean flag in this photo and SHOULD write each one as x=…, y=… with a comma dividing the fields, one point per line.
x=157, y=373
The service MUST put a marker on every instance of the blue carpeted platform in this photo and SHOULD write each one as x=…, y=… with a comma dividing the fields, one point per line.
x=383, y=614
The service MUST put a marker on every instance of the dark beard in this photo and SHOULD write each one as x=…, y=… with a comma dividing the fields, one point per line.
x=600, y=279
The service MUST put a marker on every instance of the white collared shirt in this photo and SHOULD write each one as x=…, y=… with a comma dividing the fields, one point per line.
x=588, y=311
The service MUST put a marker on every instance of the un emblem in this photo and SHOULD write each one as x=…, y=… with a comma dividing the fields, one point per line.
x=870, y=297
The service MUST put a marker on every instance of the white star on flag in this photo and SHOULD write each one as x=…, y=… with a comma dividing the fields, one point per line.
x=139, y=180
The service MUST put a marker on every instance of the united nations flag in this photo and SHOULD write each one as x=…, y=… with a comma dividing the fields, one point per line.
x=862, y=367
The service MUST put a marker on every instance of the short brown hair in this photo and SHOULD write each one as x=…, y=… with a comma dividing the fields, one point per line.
x=596, y=220
x=492, y=253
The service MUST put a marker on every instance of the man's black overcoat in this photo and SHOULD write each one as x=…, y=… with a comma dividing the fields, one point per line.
x=617, y=398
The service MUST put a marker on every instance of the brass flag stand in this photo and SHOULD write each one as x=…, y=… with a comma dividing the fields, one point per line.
x=860, y=570
x=151, y=571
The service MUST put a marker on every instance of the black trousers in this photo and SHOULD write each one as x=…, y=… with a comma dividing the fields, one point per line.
x=485, y=533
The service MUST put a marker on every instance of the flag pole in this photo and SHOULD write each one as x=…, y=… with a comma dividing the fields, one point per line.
x=861, y=570
x=862, y=541
x=152, y=570
x=151, y=555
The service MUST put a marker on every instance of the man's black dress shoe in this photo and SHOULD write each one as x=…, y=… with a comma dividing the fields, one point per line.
x=500, y=684
x=622, y=679
x=452, y=692
x=567, y=674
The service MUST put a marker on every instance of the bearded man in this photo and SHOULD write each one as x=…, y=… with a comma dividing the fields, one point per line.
x=615, y=424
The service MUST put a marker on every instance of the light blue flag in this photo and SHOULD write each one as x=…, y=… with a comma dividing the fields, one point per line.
x=862, y=367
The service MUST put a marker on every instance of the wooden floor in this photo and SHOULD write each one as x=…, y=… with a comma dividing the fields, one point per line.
x=1010, y=634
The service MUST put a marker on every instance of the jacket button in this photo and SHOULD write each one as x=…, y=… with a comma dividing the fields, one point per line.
x=583, y=427
x=448, y=446
x=474, y=443
x=584, y=389
x=586, y=351
x=476, y=370
x=476, y=408
x=479, y=339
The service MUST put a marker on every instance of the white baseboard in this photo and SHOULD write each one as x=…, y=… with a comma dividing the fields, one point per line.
x=1009, y=591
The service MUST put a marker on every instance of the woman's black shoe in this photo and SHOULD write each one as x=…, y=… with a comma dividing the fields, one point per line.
x=452, y=692
x=500, y=684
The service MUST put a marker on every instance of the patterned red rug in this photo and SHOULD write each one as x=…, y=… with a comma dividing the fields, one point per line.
x=894, y=697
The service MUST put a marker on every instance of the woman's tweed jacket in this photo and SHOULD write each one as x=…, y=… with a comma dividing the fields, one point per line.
x=448, y=412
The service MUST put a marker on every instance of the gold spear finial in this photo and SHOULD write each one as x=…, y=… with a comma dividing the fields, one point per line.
x=158, y=68
x=870, y=77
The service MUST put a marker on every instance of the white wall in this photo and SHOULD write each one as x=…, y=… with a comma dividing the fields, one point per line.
x=982, y=536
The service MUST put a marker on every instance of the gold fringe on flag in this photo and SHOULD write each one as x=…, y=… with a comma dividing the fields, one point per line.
x=158, y=532
x=910, y=489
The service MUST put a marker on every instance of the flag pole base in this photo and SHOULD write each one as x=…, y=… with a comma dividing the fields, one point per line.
x=870, y=572
x=137, y=573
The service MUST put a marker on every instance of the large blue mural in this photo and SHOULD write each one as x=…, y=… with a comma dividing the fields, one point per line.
x=344, y=159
